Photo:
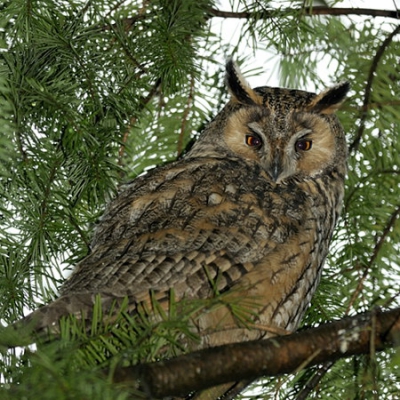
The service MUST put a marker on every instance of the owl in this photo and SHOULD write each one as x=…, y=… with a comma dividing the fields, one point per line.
x=247, y=213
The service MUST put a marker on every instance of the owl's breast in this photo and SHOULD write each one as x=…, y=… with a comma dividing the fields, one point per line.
x=191, y=222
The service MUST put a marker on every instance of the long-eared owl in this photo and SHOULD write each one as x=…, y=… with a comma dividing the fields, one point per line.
x=249, y=211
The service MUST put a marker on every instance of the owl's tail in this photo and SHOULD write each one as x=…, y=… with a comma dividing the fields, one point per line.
x=46, y=320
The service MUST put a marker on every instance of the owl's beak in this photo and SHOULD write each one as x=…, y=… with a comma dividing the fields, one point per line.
x=275, y=170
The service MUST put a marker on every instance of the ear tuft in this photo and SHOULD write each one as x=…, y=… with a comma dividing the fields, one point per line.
x=238, y=87
x=330, y=100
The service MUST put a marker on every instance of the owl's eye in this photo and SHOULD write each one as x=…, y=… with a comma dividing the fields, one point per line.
x=303, y=145
x=253, y=140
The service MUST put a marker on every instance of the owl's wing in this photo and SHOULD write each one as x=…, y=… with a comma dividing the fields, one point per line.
x=191, y=226
x=173, y=223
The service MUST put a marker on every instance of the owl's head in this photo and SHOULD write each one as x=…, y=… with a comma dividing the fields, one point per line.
x=289, y=133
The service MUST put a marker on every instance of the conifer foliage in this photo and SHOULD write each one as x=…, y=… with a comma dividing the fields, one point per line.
x=94, y=93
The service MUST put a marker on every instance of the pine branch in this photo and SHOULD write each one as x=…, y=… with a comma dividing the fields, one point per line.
x=309, y=11
x=144, y=101
x=265, y=14
x=185, y=116
x=276, y=356
x=368, y=88
x=375, y=252
x=313, y=382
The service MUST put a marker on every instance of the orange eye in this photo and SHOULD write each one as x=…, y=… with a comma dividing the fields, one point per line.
x=253, y=141
x=303, y=145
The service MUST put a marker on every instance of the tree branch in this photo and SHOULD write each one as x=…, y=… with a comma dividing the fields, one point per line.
x=265, y=14
x=314, y=380
x=368, y=88
x=185, y=116
x=319, y=10
x=251, y=360
x=144, y=101
x=375, y=252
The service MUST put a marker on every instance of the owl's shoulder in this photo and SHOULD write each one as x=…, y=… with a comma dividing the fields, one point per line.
x=220, y=190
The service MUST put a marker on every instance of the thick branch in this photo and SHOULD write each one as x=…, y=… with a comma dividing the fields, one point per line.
x=251, y=360
x=321, y=10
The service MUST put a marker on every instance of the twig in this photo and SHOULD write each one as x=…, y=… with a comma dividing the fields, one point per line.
x=185, y=116
x=133, y=119
x=309, y=11
x=373, y=257
x=314, y=380
x=265, y=14
x=368, y=87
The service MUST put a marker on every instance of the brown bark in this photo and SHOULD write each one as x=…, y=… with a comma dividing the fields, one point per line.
x=307, y=11
x=319, y=10
x=362, y=334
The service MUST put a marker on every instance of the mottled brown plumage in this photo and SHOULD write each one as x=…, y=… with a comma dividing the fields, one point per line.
x=250, y=210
